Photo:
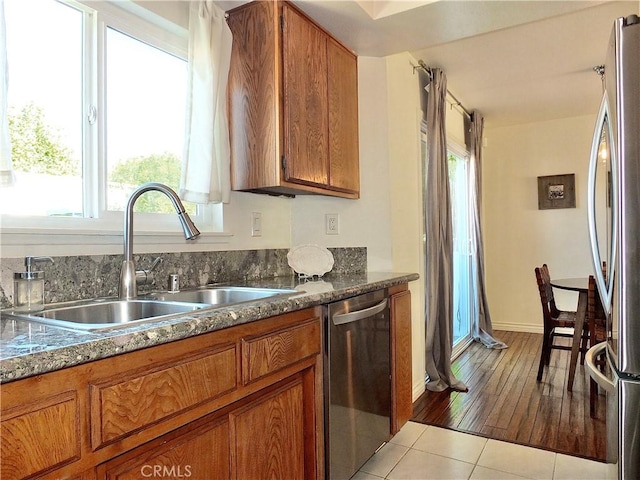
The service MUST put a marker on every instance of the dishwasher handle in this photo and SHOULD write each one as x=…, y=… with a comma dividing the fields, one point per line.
x=342, y=318
x=594, y=372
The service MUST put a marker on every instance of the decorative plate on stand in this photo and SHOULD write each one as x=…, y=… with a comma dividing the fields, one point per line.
x=310, y=260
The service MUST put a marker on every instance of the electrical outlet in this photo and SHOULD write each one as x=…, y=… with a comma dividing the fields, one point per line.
x=332, y=223
x=256, y=224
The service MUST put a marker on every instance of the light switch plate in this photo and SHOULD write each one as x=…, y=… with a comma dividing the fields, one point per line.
x=256, y=224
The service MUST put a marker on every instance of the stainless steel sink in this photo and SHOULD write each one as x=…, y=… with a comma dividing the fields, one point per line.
x=221, y=295
x=109, y=314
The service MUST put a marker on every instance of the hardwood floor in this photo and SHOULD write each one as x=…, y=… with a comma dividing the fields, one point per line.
x=505, y=402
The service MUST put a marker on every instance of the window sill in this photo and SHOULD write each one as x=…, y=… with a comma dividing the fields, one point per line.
x=19, y=242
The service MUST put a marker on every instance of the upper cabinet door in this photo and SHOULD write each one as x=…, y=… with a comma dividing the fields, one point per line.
x=293, y=104
x=343, y=118
x=306, y=143
x=253, y=96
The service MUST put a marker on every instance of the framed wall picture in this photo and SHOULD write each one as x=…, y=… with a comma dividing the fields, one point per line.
x=557, y=191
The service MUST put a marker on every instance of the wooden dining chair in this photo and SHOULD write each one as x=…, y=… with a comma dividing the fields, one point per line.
x=556, y=323
x=597, y=324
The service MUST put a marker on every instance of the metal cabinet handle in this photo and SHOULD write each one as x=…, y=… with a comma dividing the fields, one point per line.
x=342, y=318
x=595, y=373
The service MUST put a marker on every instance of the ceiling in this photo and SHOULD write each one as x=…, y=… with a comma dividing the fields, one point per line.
x=515, y=61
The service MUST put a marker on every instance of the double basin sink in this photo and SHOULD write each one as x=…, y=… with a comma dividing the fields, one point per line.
x=107, y=314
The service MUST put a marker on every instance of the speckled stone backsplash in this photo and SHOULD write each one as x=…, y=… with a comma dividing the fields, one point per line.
x=90, y=276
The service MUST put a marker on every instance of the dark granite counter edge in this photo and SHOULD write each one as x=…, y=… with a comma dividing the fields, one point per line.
x=81, y=347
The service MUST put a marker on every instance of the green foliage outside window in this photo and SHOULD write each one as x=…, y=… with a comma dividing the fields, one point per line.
x=36, y=147
x=138, y=170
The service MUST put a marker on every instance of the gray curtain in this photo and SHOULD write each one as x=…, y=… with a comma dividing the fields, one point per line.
x=439, y=243
x=481, y=328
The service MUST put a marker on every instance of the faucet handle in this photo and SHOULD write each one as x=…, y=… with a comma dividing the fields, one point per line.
x=155, y=263
x=144, y=277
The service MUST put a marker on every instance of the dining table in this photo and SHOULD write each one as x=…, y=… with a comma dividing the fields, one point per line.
x=580, y=285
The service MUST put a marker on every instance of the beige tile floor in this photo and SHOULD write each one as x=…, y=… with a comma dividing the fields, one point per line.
x=421, y=452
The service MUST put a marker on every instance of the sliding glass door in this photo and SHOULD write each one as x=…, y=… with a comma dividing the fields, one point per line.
x=460, y=190
x=459, y=183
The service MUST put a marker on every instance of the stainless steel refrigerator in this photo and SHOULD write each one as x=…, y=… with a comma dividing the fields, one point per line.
x=614, y=227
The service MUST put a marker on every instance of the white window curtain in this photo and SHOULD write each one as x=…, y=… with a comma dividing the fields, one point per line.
x=6, y=167
x=206, y=157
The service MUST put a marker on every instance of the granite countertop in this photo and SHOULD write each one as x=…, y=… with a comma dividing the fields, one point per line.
x=28, y=348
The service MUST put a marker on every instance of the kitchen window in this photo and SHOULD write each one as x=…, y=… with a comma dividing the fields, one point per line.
x=96, y=107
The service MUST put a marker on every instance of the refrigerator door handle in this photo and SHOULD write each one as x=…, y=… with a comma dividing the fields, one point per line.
x=605, y=289
x=594, y=372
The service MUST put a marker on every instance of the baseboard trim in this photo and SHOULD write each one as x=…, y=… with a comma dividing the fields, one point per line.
x=518, y=327
x=418, y=389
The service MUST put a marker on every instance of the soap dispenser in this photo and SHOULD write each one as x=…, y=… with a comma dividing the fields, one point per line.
x=28, y=289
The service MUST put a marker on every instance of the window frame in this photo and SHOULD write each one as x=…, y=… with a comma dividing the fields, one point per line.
x=144, y=25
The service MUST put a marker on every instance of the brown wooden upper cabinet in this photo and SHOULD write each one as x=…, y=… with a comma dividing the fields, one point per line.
x=293, y=104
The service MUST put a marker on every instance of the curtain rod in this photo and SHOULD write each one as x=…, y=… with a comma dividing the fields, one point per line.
x=427, y=69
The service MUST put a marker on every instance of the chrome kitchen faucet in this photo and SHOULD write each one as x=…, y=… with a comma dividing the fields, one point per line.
x=128, y=284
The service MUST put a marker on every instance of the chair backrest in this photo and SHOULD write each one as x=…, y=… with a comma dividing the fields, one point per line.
x=545, y=290
x=595, y=313
x=544, y=278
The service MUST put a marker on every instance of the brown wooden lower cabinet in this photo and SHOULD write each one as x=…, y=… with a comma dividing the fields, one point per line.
x=180, y=410
x=259, y=437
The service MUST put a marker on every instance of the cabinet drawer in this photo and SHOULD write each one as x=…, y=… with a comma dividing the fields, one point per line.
x=268, y=353
x=121, y=406
x=41, y=436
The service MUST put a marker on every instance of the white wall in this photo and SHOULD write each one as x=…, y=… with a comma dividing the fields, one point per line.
x=276, y=233
x=404, y=116
x=276, y=221
x=518, y=236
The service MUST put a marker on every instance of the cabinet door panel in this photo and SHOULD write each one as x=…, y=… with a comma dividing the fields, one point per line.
x=201, y=453
x=305, y=100
x=38, y=437
x=401, y=377
x=344, y=172
x=268, y=436
x=254, y=97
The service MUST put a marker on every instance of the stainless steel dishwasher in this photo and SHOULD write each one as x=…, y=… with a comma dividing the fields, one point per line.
x=356, y=381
